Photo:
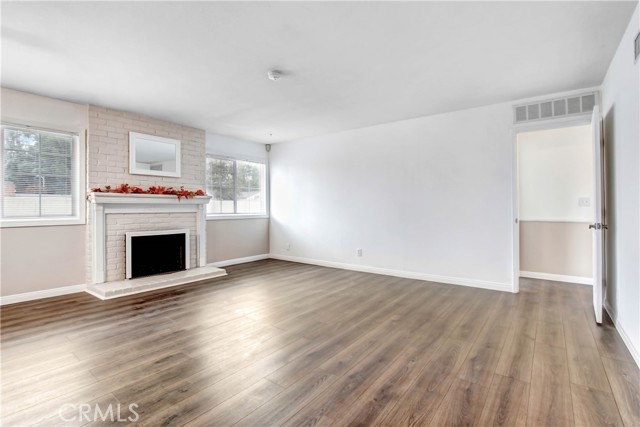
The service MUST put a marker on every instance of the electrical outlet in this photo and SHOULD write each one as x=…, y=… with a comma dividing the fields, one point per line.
x=288, y=246
x=359, y=252
x=584, y=202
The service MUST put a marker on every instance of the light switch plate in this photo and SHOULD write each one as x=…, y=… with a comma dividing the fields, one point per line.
x=584, y=202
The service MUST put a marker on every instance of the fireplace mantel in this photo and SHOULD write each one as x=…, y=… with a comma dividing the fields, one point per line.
x=103, y=204
x=146, y=199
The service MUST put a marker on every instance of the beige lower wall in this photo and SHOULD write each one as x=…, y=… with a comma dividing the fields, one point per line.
x=237, y=238
x=562, y=248
x=41, y=258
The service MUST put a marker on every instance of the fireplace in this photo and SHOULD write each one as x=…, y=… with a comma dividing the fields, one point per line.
x=156, y=252
x=116, y=218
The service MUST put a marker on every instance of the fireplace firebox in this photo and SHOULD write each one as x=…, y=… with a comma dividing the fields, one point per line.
x=156, y=252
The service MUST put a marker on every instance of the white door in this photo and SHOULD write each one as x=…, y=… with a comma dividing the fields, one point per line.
x=598, y=227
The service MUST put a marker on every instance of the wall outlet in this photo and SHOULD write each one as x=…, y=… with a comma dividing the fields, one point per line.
x=359, y=252
x=584, y=202
x=288, y=246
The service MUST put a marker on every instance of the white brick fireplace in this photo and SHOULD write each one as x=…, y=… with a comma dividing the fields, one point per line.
x=112, y=215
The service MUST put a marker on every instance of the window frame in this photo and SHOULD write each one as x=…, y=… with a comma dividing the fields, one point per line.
x=235, y=159
x=78, y=184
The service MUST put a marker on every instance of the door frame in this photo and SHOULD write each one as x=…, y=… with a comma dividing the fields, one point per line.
x=565, y=122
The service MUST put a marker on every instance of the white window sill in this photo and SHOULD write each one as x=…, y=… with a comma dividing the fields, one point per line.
x=40, y=222
x=215, y=217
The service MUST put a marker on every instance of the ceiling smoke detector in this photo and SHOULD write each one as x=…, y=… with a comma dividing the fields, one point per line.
x=274, y=75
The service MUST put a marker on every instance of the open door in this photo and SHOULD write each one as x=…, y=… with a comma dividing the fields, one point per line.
x=598, y=227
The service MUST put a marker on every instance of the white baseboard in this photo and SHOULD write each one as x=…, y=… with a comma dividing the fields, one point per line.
x=496, y=286
x=557, y=277
x=239, y=260
x=47, y=293
x=623, y=334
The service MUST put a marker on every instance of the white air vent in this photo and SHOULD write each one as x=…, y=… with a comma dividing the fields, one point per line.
x=573, y=105
x=546, y=110
x=552, y=108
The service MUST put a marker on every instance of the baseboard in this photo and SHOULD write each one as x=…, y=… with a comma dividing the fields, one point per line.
x=47, y=293
x=623, y=334
x=235, y=261
x=557, y=277
x=496, y=286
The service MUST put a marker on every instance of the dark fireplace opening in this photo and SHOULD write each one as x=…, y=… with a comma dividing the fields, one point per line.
x=157, y=254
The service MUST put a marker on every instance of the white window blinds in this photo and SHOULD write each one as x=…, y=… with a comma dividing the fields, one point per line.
x=39, y=173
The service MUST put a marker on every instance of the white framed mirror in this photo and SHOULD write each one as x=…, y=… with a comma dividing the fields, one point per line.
x=153, y=155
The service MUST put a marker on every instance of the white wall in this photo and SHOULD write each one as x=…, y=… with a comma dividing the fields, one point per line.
x=35, y=259
x=554, y=170
x=229, y=239
x=621, y=111
x=429, y=197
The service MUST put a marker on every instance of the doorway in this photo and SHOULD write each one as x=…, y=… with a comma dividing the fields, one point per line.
x=554, y=170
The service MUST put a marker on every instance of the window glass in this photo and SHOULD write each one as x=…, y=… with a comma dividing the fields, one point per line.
x=236, y=186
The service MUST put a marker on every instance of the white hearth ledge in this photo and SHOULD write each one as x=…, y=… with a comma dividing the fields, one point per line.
x=102, y=204
x=123, y=288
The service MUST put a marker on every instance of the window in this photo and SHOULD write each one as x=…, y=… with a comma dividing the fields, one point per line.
x=237, y=187
x=40, y=176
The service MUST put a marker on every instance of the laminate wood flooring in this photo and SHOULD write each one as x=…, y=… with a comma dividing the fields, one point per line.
x=279, y=343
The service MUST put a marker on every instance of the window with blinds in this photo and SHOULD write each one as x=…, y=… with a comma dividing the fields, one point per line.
x=236, y=187
x=39, y=174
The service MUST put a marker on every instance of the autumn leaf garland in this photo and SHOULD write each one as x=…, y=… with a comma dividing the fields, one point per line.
x=128, y=189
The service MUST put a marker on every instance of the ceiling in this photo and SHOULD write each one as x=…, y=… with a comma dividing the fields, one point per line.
x=345, y=64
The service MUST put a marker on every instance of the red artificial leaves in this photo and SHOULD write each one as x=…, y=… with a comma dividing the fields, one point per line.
x=127, y=189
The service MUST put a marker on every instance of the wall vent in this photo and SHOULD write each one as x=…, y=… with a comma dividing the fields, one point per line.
x=554, y=108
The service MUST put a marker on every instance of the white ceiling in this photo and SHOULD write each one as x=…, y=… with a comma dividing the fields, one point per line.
x=346, y=64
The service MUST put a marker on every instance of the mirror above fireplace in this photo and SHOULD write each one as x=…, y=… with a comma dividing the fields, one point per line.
x=153, y=155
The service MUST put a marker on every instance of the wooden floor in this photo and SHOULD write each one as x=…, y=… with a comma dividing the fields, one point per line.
x=278, y=343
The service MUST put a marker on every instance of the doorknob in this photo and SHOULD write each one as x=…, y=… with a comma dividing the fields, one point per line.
x=598, y=226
